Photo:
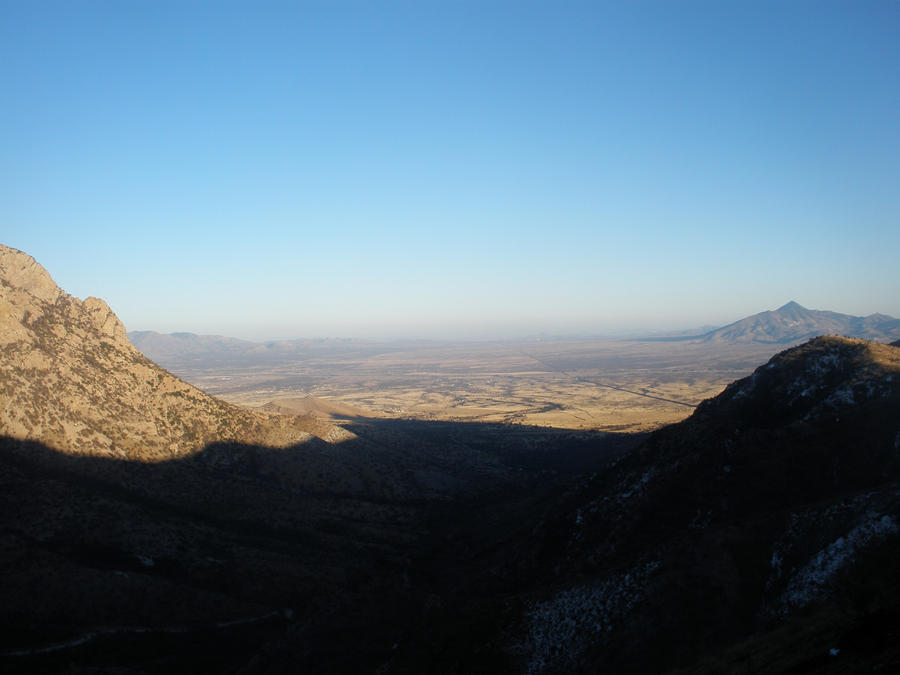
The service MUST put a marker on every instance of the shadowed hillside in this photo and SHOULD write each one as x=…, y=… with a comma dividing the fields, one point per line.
x=280, y=550
x=773, y=508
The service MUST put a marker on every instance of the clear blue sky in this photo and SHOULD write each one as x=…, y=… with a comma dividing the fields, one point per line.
x=425, y=168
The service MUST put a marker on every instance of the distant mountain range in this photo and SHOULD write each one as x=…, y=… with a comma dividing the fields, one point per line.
x=178, y=351
x=789, y=324
x=793, y=323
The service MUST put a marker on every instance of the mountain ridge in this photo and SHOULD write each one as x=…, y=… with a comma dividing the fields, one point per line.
x=793, y=323
x=73, y=380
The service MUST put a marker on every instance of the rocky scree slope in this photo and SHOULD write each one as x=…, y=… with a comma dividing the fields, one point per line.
x=773, y=510
x=72, y=380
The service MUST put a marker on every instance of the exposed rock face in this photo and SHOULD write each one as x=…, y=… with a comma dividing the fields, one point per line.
x=72, y=380
x=21, y=271
x=107, y=323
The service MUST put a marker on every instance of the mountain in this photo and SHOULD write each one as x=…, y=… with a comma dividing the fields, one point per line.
x=792, y=323
x=167, y=346
x=186, y=351
x=72, y=380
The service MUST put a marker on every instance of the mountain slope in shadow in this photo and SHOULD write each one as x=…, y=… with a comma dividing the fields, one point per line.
x=282, y=550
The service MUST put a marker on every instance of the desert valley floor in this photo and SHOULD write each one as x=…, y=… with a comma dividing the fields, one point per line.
x=599, y=384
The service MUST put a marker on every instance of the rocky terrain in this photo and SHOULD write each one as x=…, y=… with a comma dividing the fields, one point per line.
x=72, y=380
x=147, y=527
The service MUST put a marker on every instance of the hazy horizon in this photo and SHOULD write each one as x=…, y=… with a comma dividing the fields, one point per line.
x=463, y=333
x=485, y=331
x=463, y=170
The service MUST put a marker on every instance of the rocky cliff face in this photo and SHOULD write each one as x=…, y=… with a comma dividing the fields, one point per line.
x=72, y=380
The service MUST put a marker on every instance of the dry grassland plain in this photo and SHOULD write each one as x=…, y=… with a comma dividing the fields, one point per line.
x=606, y=385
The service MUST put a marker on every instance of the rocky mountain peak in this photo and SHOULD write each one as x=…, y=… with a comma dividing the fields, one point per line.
x=28, y=293
x=792, y=305
x=72, y=380
x=20, y=272
x=105, y=320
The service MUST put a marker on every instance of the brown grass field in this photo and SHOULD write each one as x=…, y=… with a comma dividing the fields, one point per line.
x=609, y=385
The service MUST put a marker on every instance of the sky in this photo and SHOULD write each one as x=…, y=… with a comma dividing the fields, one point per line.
x=453, y=169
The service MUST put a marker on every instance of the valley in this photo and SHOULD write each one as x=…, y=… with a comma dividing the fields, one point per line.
x=598, y=384
x=607, y=384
